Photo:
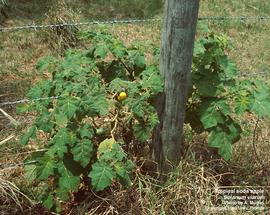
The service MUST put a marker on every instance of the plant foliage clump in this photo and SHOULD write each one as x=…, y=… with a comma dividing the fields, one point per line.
x=84, y=125
x=89, y=130
x=218, y=97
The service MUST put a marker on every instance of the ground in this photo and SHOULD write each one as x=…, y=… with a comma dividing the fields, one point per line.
x=20, y=50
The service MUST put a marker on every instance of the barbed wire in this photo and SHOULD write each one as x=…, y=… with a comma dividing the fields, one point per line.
x=128, y=21
x=241, y=18
x=9, y=166
x=26, y=101
x=67, y=24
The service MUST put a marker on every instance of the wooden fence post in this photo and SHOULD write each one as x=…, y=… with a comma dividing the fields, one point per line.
x=177, y=43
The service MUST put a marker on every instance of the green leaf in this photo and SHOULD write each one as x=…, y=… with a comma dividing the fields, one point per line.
x=226, y=151
x=100, y=131
x=61, y=119
x=151, y=80
x=69, y=107
x=118, y=84
x=102, y=104
x=119, y=153
x=49, y=202
x=222, y=140
x=229, y=68
x=101, y=176
x=59, y=143
x=120, y=169
x=223, y=107
x=46, y=87
x=129, y=165
x=95, y=105
x=242, y=102
x=35, y=92
x=89, y=106
x=67, y=181
x=44, y=63
x=105, y=145
x=235, y=130
x=210, y=115
x=22, y=108
x=82, y=152
x=62, y=194
x=137, y=105
x=86, y=131
x=109, y=151
x=101, y=51
x=142, y=132
x=206, y=83
x=44, y=121
x=30, y=172
x=46, y=167
x=139, y=61
x=118, y=48
x=30, y=133
x=198, y=48
x=153, y=120
x=261, y=105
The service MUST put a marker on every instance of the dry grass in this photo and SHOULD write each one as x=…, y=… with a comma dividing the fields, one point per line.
x=188, y=191
x=250, y=161
x=12, y=200
x=60, y=38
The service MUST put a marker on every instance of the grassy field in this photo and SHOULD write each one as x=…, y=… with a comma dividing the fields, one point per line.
x=20, y=50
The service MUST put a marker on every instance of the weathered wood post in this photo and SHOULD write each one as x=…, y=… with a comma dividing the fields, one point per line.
x=177, y=43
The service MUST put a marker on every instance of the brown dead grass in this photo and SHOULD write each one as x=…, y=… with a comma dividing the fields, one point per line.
x=12, y=200
x=188, y=190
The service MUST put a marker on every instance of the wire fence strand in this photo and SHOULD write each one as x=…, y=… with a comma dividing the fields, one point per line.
x=9, y=166
x=128, y=21
x=21, y=101
x=68, y=24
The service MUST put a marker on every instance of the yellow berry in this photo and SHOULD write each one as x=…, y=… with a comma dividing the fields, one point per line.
x=121, y=96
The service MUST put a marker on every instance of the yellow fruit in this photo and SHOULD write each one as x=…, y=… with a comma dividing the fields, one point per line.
x=121, y=96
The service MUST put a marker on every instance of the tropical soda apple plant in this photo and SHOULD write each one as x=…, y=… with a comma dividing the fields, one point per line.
x=103, y=103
